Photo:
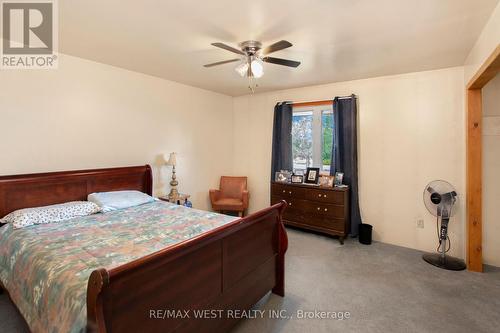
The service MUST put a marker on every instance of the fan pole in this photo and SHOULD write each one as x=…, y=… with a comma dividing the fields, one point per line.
x=443, y=236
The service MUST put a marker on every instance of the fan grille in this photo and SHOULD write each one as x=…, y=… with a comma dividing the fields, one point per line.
x=442, y=188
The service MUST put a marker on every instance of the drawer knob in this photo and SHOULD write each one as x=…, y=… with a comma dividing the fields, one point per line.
x=290, y=192
x=326, y=209
x=289, y=204
x=284, y=191
x=319, y=195
x=319, y=208
x=324, y=195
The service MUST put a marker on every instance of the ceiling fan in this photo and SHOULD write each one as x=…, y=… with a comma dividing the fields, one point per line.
x=252, y=57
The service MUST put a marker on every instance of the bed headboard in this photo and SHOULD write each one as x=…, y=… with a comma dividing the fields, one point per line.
x=24, y=191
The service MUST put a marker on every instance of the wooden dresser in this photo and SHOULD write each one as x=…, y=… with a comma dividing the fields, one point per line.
x=315, y=208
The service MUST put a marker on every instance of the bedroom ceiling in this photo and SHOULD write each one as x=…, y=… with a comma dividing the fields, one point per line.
x=336, y=40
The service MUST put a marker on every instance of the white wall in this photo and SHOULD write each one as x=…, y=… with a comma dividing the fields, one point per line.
x=491, y=174
x=90, y=115
x=411, y=131
x=488, y=40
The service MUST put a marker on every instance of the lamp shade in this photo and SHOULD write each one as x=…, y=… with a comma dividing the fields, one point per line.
x=257, y=68
x=242, y=69
x=172, y=160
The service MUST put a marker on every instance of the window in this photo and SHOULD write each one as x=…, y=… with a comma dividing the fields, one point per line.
x=312, y=137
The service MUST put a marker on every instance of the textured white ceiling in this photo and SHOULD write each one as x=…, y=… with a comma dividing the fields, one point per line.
x=336, y=40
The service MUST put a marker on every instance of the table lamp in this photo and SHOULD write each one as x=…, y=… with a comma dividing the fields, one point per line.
x=172, y=161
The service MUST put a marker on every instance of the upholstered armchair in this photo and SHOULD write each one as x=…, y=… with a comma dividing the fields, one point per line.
x=232, y=195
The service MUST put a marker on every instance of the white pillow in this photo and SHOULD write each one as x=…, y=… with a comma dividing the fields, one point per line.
x=39, y=215
x=109, y=201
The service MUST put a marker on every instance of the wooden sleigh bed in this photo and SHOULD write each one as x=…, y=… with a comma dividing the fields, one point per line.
x=229, y=268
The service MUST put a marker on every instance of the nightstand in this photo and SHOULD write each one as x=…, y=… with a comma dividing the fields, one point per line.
x=179, y=199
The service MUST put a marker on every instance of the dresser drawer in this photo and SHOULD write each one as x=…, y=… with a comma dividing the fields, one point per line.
x=326, y=222
x=287, y=191
x=294, y=215
x=333, y=197
x=291, y=202
x=295, y=209
x=327, y=210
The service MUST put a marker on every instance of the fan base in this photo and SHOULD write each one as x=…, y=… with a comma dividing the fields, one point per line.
x=448, y=262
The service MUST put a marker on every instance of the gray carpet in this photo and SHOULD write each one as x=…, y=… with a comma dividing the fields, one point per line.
x=385, y=288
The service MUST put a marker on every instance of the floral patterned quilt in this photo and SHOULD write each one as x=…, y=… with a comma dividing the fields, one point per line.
x=45, y=268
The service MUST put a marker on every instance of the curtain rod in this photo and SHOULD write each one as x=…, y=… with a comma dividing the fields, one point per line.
x=319, y=101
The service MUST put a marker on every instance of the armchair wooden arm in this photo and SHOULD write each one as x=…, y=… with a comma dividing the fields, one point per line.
x=245, y=198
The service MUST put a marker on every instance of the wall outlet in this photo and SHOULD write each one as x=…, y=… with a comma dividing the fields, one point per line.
x=420, y=223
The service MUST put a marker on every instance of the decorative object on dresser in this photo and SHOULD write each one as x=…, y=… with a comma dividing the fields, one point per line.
x=232, y=195
x=172, y=161
x=180, y=199
x=339, y=176
x=314, y=208
x=283, y=176
x=312, y=176
x=297, y=179
x=326, y=181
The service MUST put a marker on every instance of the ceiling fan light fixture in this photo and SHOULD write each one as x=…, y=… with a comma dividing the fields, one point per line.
x=242, y=69
x=253, y=57
x=257, y=67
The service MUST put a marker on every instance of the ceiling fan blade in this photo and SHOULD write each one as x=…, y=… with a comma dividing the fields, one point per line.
x=228, y=48
x=279, y=61
x=282, y=44
x=220, y=63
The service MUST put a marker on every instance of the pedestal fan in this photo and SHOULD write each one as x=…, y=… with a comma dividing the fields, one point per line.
x=440, y=199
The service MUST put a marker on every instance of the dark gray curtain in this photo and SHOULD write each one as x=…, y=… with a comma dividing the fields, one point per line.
x=345, y=152
x=282, y=138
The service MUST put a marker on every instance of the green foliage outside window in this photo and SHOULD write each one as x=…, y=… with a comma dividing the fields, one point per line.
x=327, y=128
x=302, y=149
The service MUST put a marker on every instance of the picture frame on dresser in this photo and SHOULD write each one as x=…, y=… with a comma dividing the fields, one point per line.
x=339, y=177
x=283, y=176
x=297, y=179
x=312, y=176
x=326, y=181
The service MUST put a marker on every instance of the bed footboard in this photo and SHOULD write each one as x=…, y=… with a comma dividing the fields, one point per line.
x=194, y=286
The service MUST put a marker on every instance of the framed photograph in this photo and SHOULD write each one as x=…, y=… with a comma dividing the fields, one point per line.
x=326, y=180
x=312, y=175
x=297, y=179
x=339, y=176
x=298, y=172
x=283, y=176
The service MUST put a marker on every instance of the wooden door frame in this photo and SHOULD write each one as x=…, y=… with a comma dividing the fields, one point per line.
x=474, y=163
